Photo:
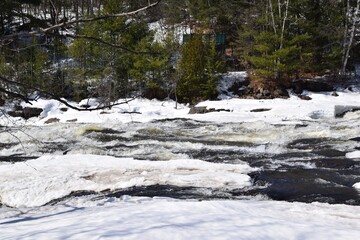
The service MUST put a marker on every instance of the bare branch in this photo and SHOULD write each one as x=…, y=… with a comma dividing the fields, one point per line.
x=50, y=29
x=14, y=94
x=64, y=24
x=55, y=97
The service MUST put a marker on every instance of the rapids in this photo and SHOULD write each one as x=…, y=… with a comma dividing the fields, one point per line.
x=303, y=161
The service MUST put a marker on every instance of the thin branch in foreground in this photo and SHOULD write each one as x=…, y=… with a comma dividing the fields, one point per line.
x=104, y=17
x=14, y=94
x=42, y=31
x=55, y=97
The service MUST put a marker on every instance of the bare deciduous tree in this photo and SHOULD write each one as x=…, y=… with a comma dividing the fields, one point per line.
x=352, y=22
x=10, y=86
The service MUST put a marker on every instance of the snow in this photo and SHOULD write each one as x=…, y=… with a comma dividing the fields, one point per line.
x=227, y=81
x=138, y=110
x=355, y=154
x=54, y=176
x=290, y=111
x=25, y=187
x=159, y=218
x=161, y=31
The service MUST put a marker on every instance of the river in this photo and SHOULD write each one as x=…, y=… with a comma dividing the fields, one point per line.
x=304, y=162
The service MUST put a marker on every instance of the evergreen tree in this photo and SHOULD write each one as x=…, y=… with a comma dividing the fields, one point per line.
x=285, y=38
x=113, y=67
x=151, y=71
x=323, y=22
x=197, y=69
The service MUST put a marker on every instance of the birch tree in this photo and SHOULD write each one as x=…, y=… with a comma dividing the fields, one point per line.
x=277, y=50
x=351, y=25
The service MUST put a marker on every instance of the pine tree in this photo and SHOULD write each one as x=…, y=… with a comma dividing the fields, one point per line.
x=323, y=22
x=114, y=69
x=150, y=71
x=278, y=40
x=197, y=69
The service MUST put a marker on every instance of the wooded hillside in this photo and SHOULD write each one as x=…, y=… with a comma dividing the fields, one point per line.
x=109, y=49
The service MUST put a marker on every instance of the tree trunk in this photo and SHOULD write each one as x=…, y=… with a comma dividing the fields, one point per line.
x=272, y=16
x=283, y=24
x=346, y=33
x=349, y=44
x=2, y=24
x=76, y=10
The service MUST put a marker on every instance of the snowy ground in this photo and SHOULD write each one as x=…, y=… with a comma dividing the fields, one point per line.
x=26, y=186
x=145, y=218
x=293, y=110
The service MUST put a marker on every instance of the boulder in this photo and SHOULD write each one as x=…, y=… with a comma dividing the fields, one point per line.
x=262, y=89
x=260, y=110
x=304, y=97
x=29, y=112
x=301, y=85
x=341, y=110
x=239, y=87
x=52, y=120
x=198, y=110
x=281, y=93
x=26, y=113
x=17, y=113
x=72, y=120
x=202, y=110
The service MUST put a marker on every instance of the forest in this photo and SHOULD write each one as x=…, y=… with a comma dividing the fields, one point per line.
x=113, y=49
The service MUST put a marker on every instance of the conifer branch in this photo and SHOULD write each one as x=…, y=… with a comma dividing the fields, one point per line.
x=78, y=36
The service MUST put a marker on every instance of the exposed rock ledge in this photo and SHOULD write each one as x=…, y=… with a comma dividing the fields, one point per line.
x=341, y=110
x=202, y=110
x=26, y=113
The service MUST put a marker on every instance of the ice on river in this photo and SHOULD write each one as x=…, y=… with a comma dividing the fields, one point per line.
x=354, y=155
x=37, y=182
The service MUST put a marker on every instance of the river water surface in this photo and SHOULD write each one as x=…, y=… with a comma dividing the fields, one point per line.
x=306, y=161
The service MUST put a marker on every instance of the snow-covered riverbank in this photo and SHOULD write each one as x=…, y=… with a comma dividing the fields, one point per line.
x=145, y=218
x=321, y=106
